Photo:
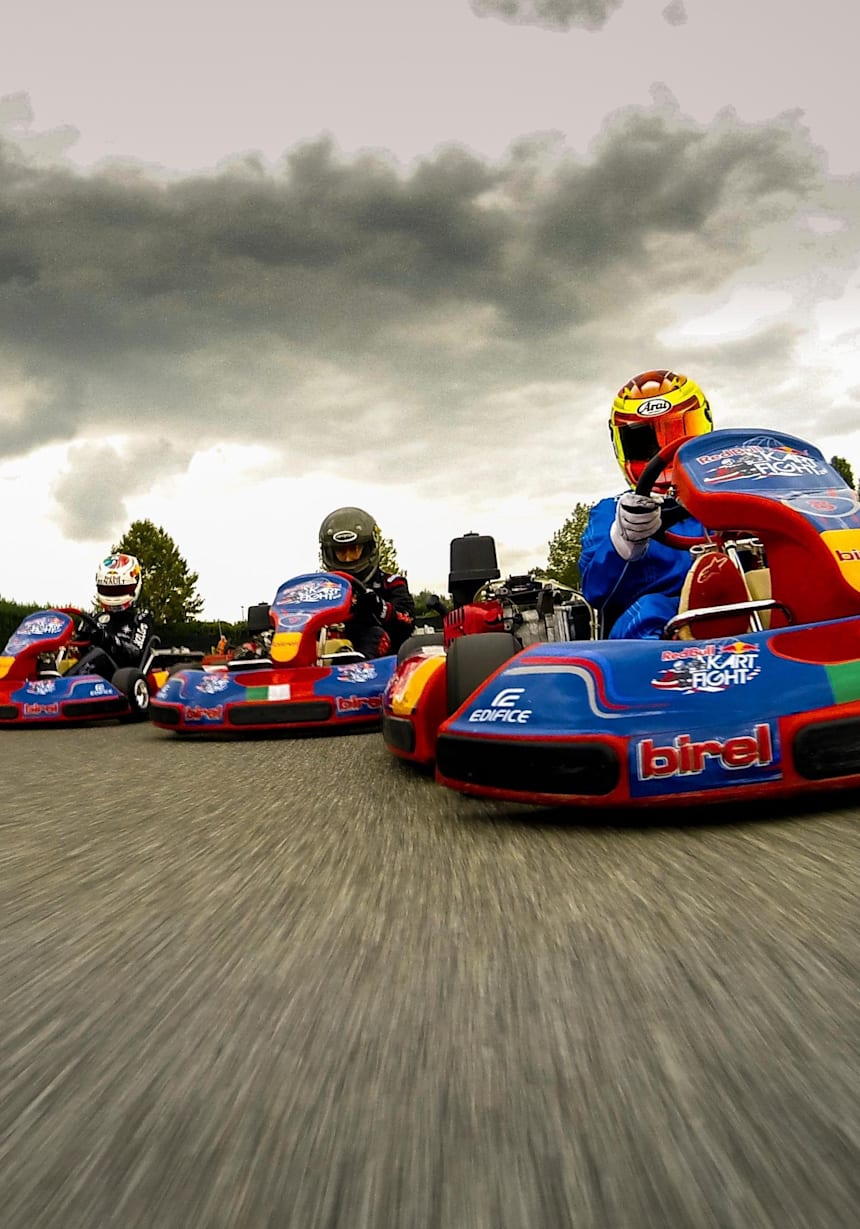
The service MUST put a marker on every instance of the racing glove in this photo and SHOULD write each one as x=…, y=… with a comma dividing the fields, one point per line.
x=637, y=519
x=377, y=606
x=368, y=603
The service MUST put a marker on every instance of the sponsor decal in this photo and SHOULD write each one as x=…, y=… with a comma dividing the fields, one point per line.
x=41, y=710
x=292, y=620
x=504, y=707
x=358, y=672
x=313, y=591
x=685, y=757
x=831, y=505
x=355, y=704
x=844, y=545
x=213, y=683
x=279, y=691
x=653, y=407
x=47, y=625
x=709, y=668
x=195, y=712
x=345, y=535
x=41, y=687
x=758, y=461
x=101, y=689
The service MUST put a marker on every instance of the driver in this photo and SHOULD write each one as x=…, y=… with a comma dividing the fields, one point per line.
x=636, y=582
x=383, y=612
x=120, y=633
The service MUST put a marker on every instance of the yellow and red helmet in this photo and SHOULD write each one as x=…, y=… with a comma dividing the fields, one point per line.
x=651, y=410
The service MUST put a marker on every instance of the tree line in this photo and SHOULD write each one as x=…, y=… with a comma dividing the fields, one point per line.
x=170, y=592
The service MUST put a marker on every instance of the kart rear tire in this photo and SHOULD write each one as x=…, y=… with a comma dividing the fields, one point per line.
x=418, y=642
x=472, y=659
x=133, y=685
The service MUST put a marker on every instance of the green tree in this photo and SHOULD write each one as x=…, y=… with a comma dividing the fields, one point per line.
x=844, y=468
x=564, y=547
x=388, y=555
x=169, y=587
x=423, y=609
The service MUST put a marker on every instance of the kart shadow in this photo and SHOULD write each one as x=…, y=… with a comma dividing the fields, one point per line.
x=186, y=737
x=696, y=816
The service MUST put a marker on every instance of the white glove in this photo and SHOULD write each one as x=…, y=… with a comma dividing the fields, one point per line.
x=637, y=519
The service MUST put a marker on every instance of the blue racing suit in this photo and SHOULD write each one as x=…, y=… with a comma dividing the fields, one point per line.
x=635, y=598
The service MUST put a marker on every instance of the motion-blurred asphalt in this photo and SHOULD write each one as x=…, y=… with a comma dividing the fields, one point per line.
x=292, y=984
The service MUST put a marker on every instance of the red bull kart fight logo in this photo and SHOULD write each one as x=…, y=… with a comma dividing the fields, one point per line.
x=708, y=667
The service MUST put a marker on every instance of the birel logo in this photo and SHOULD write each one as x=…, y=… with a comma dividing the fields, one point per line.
x=653, y=407
x=848, y=556
x=503, y=707
x=355, y=704
x=685, y=757
x=195, y=712
x=41, y=710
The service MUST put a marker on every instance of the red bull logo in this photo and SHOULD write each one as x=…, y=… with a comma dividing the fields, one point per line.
x=685, y=757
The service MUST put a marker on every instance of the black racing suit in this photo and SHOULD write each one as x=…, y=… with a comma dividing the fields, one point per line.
x=382, y=617
x=117, y=638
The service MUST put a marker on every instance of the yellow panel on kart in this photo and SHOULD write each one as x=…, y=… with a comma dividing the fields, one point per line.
x=405, y=696
x=5, y=663
x=844, y=545
x=160, y=677
x=285, y=645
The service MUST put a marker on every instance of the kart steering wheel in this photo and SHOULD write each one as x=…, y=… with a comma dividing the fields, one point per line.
x=677, y=512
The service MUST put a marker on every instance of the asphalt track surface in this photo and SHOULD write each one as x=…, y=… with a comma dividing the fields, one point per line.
x=292, y=983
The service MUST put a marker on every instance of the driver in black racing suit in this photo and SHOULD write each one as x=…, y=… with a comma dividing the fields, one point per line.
x=120, y=633
x=383, y=612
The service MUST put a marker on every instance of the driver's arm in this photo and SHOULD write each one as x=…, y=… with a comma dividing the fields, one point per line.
x=600, y=565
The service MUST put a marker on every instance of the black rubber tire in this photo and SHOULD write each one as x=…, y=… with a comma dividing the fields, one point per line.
x=182, y=665
x=133, y=685
x=472, y=659
x=419, y=642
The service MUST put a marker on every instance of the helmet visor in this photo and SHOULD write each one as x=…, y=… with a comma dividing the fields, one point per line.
x=117, y=590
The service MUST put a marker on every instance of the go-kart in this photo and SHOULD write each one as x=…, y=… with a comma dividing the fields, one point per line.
x=298, y=671
x=753, y=691
x=46, y=679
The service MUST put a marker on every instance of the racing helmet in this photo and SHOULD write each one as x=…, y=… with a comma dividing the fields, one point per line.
x=349, y=542
x=651, y=410
x=118, y=582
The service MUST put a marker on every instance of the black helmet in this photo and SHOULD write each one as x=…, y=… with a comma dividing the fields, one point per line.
x=342, y=531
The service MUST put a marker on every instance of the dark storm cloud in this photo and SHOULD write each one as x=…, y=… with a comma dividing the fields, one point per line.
x=91, y=494
x=675, y=13
x=329, y=306
x=556, y=14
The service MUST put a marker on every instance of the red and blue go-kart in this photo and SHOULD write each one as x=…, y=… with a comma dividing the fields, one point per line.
x=46, y=680
x=306, y=675
x=754, y=691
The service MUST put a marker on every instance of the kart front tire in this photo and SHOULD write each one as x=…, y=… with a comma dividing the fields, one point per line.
x=133, y=685
x=472, y=659
x=182, y=665
x=414, y=643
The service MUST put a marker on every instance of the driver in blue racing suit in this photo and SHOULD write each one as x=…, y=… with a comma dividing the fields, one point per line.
x=383, y=612
x=634, y=581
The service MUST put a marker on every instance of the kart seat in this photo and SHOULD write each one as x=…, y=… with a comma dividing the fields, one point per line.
x=714, y=580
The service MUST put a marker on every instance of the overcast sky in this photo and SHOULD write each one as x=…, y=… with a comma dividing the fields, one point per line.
x=261, y=260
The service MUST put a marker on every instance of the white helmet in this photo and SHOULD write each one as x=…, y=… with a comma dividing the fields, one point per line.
x=118, y=582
